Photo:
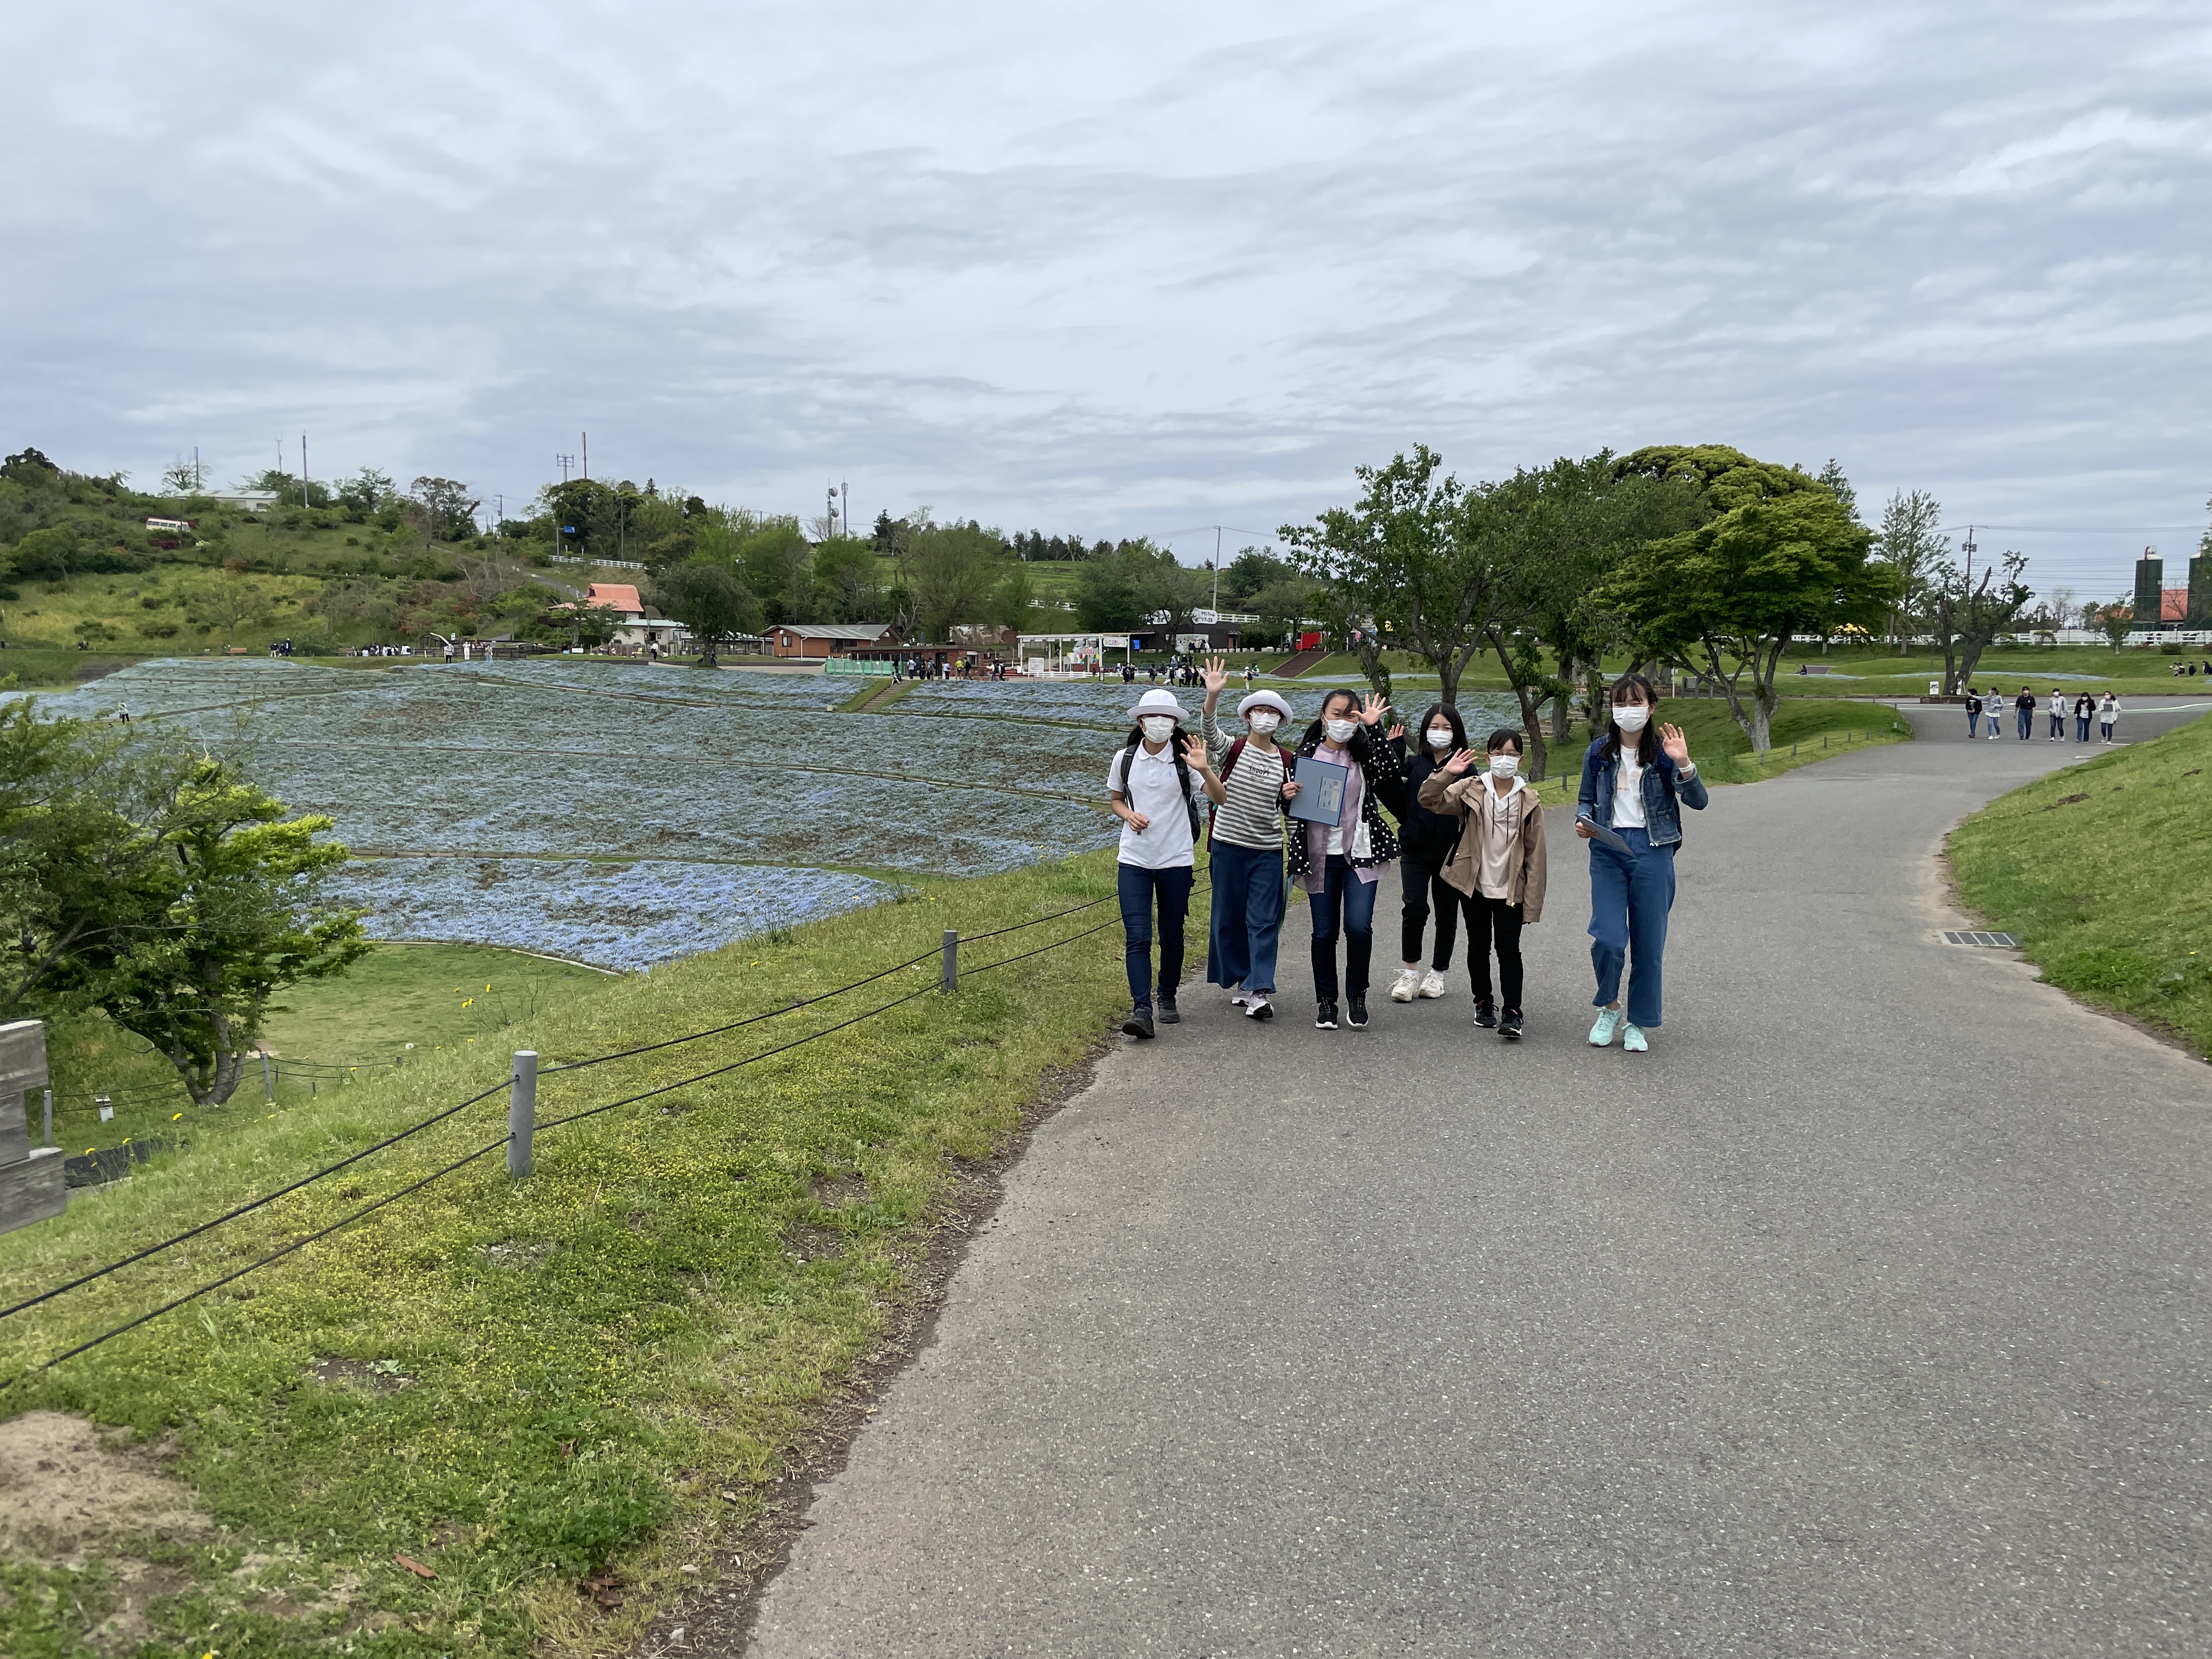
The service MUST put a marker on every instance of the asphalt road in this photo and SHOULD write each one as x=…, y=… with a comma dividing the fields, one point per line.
x=1868, y=1314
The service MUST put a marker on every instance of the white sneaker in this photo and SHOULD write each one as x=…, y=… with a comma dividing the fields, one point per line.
x=1258, y=1008
x=1238, y=996
x=1408, y=985
x=1432, y=984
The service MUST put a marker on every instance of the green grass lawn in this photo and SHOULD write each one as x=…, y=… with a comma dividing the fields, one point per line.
x=399, y=1003
x=2104, y=871
x=609, y=1363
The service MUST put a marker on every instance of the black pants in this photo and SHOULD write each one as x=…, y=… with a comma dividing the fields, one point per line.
x=1427, y=888
x=1489, y=918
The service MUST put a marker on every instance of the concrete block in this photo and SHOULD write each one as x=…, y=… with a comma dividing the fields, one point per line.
x=32, y=1188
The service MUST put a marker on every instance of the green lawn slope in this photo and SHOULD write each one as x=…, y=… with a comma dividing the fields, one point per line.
x=606, y=1365
x=2104, y=871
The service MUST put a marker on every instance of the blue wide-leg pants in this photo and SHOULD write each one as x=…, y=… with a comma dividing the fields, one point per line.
x=1246, y=926
x=1631, y=894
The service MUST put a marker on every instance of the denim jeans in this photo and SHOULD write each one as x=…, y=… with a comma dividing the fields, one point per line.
x=1247, y=924
x=2026, y=724
x=1970, y=719
x=2058, y=726
x=1139, y=885
x=1342, y=891
x=2080, y=729
x=1426, y=888
x=1631, y=894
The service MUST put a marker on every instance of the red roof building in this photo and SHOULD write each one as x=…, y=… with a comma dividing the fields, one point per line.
x=616, y=596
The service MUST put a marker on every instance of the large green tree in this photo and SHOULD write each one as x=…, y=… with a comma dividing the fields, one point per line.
x=952, y=569
x=1780, y=559
x=1967, y=611
x=1911, y=542
x=1409, y=557
x=191, y=902
x=710, y=599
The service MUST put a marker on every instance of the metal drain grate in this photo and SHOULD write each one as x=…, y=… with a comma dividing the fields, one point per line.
x=2002, y=941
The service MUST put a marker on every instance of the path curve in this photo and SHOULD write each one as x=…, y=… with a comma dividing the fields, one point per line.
x=1866, y=1314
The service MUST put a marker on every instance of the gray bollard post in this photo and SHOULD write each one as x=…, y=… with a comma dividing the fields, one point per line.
x=522, y=1113
x=267, y=1083
x=50, y=1118
x=952, y=980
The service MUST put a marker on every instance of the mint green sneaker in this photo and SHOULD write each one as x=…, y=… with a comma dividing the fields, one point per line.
x=1632, y=1040
x=1608, y=1022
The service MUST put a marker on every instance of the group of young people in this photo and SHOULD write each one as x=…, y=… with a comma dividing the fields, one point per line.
x=1463, y=825
x=1991, y=706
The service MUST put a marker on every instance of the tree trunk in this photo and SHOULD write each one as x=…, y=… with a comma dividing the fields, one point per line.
x=1762, y=716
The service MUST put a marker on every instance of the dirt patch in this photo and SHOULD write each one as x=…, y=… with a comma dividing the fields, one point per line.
x=807, y=1243
x=716, y=1616
x=62, y=1481
x=364, y=1376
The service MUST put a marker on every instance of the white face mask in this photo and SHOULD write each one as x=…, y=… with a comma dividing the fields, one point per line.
x=1340, y=730
x=1158, y=728
x=1264, y=721
x=1504, y=766
x=1439, y=739
x=1631, y=717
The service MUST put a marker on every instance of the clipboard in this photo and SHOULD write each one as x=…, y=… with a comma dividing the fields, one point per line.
x=1599, y=832
x=1320, y=798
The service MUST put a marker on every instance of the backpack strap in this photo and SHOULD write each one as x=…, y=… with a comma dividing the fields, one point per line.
x=1229, y=761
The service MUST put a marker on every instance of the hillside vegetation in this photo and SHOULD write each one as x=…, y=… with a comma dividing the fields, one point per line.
x=2104, y=871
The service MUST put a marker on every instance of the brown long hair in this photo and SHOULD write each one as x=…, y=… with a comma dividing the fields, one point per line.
x=1647, y=740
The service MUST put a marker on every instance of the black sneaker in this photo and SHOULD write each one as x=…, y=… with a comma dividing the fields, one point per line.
x=1168, y=1015
x=1140, y=1022
x=1510, y=1026
x=1358, y=1012
x=1485, y=1014
x=1325, y=1018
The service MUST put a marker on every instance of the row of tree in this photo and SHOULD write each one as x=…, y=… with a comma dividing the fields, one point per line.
x=1698, y=558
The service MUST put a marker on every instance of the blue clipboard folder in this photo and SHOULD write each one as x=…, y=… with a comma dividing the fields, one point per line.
x=1320, y=798
x=1599, y=832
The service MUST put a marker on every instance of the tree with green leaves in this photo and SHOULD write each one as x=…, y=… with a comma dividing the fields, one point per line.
x=1244, y=576
x=1408, y=559
x=1911, y=542
x=156, y=884
x=847, y=586
x=710, y=599
x=1780, y=559
x=951, y=568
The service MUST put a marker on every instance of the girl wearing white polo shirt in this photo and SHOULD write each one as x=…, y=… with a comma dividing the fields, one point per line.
x=1159, y=782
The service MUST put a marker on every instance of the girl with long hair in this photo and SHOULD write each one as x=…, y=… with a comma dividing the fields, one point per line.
x=1340, y=866
x=1636, y=778
x=1425, y=841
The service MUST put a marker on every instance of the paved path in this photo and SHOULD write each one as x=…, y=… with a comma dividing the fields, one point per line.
x=1866, y=1314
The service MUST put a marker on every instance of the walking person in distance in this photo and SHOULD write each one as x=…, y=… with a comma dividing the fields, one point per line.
x=1636, y=780
x=1425, y=840
x=2057, y=710
x=2084, y=706
x=1497, y=861
x=1157, y=783
x=1340, y=866
x=2108, y=715
x=1245, y=858
x=2023, y=706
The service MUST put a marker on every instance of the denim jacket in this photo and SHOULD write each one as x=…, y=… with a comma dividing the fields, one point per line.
x=1663, y=790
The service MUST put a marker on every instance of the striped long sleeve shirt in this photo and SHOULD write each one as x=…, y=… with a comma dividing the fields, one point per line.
x=1252, y=816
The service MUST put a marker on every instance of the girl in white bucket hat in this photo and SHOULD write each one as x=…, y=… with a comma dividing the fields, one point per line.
x=1246, y=856
x=1159, y=782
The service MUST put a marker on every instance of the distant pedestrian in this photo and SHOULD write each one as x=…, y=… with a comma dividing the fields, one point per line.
x=1247, y=677
x=1636, y=780
x=1158, y=785
x=2108, y=715
x=1973, y=710
x=1340, y=866
x=2084, y=706
x=2058, y=711
x=1244, y=930
x=2023, y=706
x=1498, y=861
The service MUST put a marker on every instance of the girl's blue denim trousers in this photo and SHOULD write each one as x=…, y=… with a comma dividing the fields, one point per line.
x=1247, y=922
x=1631, y=894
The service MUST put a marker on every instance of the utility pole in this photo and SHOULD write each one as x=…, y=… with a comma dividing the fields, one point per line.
x=304, y=501
x=587, y=457
x=1970, y=558
x=847, y=487
x=830, y=511
x=1217, y=576
x=566, y=461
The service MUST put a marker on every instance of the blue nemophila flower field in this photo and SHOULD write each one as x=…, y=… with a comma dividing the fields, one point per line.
x=441, y=775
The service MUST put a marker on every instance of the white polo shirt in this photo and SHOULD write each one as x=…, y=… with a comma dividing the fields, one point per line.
x=1151, y=788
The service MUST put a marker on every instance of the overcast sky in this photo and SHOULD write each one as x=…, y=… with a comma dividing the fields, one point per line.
x=1128, y=268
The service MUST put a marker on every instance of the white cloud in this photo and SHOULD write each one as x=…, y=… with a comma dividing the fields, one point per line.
x=1117, y=268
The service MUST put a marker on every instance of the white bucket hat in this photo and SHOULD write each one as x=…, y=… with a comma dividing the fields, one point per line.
x=1158, y=703
x=1273, y=699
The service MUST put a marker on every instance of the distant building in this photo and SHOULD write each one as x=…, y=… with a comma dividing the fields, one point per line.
x=821, y=641
x=246, y=500
x=616, y=596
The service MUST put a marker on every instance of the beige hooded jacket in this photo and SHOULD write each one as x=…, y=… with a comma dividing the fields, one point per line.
x=1524, y=863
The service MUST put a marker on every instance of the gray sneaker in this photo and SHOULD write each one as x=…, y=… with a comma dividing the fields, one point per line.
x=1140, y=1022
